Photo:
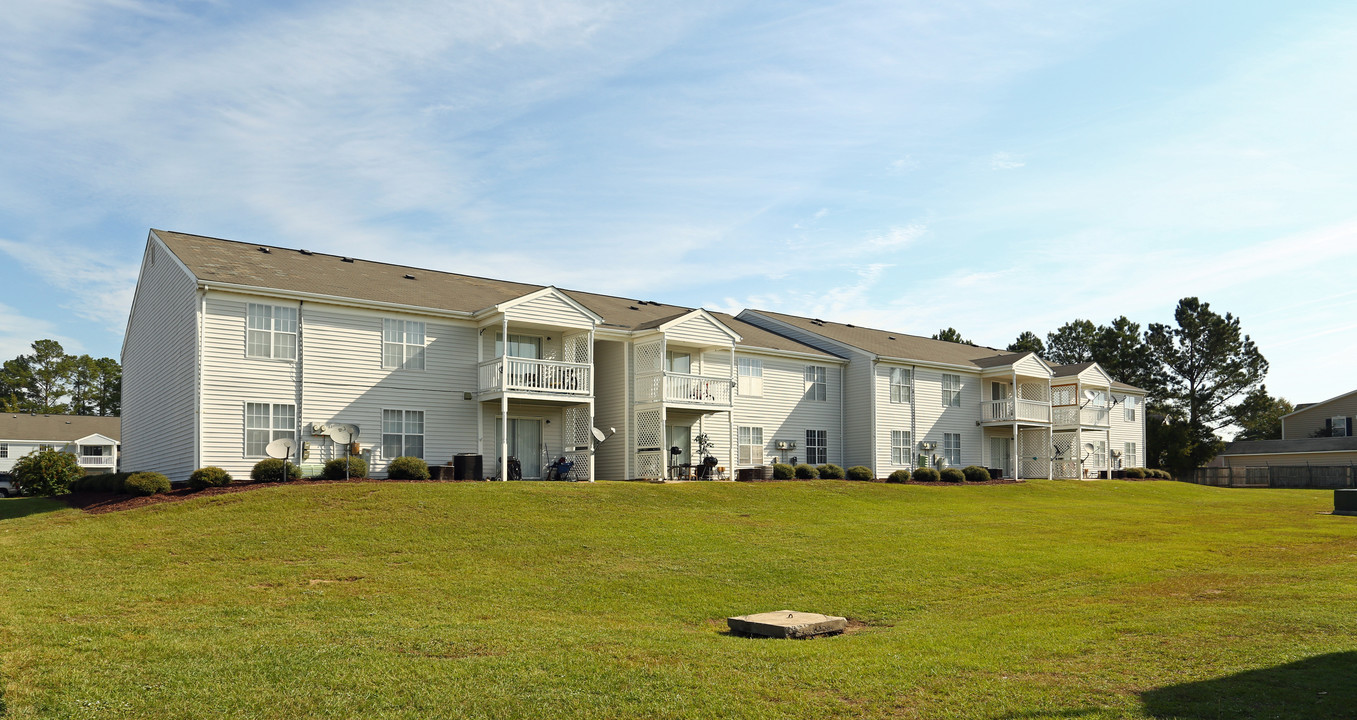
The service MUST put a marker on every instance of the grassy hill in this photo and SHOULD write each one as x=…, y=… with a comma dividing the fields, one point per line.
x=391, y=600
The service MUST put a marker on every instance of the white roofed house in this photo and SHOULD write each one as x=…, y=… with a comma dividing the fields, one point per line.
x=93, y=440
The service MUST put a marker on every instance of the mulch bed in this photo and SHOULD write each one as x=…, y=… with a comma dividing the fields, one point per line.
x=96, y=503
x=942, y=483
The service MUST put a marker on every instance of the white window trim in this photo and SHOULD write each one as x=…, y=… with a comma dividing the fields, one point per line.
x=948, y=451
x=750, y=374
x=1129, y=456
x=4, y=450
x=405, y=345
x=817, y=383
x=951, y=396
x=274, y=432
x=423, y=432
x=822, y=447
x=502, y=348
x=1129, y=402
x=754, y=446
x=901, y=380
x=902, y=448
x=1338, y=426
x=272, y=332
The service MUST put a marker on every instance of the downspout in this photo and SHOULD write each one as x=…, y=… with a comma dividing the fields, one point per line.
x=875, y=439
x=843, y=391
x=198, y=383
x=913, y=419
x=301, y=392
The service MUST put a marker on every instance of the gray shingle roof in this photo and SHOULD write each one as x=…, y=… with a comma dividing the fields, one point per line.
x=1295, y=445
x=892, y=344
x=57, y=428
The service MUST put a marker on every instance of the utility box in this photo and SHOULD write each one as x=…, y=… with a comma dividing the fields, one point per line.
x=1345, y=502
x=467, y=466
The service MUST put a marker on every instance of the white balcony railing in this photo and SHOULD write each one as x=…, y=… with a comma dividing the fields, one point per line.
x=544, y=376
x=96, y=460
x=1009, y=410
x=704, y=390
x=1069, y=415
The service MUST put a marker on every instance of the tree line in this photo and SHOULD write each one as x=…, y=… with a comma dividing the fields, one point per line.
x=50, y=381
x=1201, y=374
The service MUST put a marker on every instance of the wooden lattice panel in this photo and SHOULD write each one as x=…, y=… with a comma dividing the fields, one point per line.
x=649, y=429
x=1033, y=454
x=650, y=357
x=649, y=464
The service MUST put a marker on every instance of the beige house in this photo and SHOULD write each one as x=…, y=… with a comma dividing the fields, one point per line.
x=1298, y=445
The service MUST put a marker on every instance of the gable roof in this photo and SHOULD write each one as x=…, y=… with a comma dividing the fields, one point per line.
x=889, y=344
x=1294, y=445
x=1307, y=406
x=57, y=428
x=753, y=336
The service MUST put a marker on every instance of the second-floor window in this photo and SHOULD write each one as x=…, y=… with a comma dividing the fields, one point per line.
x=520, y=346
x=751, y=445
x=1130, y=404
x=951, y=391
x=751, y=376
x=403, y=344
x=817, y=447
x=4, y=450
x=901, y=378
x=900, y=447
x=1338, y=426
x=271, y=332
x=678, y=362
x=264, y=423
x=815, y=383
x=951, y=447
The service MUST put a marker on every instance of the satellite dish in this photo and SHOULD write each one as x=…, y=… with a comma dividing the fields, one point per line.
x=1088, y=447
x=281, y=448
x=340, y=435
x=1090, y=396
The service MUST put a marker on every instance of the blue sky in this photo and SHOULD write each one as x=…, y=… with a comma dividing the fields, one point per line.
x=992, y=166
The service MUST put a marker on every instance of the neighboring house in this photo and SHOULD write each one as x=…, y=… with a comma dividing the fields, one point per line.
x=909, y=396
x=232, y=345
x=1297, y=445
x=94, y=440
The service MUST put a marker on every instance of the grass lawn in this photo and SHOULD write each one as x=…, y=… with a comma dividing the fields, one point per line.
x=390, y=600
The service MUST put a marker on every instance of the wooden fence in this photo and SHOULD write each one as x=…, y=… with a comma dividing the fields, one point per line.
x=1318, y=477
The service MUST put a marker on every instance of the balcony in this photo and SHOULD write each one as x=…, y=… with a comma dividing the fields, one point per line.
x=548, y=377
x=96, y=461
x=684, y=389
x=1074, y=416
x=1019, y=410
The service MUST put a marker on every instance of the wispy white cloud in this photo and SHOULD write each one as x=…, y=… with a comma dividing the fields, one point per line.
x=96, y=287
x=896, y=237
x=1005, y=161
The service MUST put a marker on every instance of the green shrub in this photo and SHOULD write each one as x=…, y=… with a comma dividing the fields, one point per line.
x=406, y=468
x=975, y=473
x=1135, y=473
x=900, y=476
x=861, y=473
x=46, y=472
x=805, y=471
x=271, y=470
x=926, y=474
x=101, y=482
x=358, y=468
x=783, y=471
x=830, y=472
x=146, y=483
x=207, y=477
x=1163, y=475
x=952, y=475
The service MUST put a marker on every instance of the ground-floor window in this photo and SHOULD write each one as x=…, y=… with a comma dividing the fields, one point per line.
x=1100, y=454
x=1129, y=458
x=402, y=433
x=751, y=445
x=951, y=448
x=817, y=447
x=900, y=447
x=265, y=422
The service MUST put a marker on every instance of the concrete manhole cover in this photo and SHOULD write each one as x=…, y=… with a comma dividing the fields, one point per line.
x=787, y=624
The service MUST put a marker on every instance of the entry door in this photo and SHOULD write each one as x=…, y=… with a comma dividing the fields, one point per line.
x=525, y=443
x=1001, y=454
x=681, y=437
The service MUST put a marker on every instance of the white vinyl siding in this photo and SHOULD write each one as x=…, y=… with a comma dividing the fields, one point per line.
x=901, y=378
x=815, y=383
x=901, y=447
x=750, y=376
x=266, y=422
x=951, y=448
x=817, y=447
x=951, y=390
x=271, y=332
x=402, y=434
x=751, y=445
x=402, y=344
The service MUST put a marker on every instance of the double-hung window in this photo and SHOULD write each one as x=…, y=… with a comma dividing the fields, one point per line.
x=1129, y=402
x=900, y=448
x=951, y=390
x=751, y=445
x=817, y=447
x=901, y=379
x=751, y=376
x=1129, y=459
x=271, y=332
x=4, y=450
x=951, y=447
x=402, y=433
x=403, y=344
x=266, y=422
x=1338, y=426
x=815, y=383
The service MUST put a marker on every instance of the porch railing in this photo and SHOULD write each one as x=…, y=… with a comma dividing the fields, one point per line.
x=527, y=375
x=1069, y=415
x=1011, y=410
x=706, y=390
x=97, y=460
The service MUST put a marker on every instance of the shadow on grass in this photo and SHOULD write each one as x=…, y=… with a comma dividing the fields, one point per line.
x=1314, y=688
x=25, y=506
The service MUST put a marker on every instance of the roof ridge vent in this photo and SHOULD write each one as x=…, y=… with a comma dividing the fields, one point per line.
x=304, y=251
x=264, y=249
x=346, y=259
x=851, y=325
x=408, y=276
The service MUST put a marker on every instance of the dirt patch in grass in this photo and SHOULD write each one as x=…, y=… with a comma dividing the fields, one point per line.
x=102, y=502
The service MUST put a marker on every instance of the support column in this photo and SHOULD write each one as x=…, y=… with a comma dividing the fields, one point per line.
x=504, y=400
x=593, y=444
x=1050, y=452
x=1015, y=445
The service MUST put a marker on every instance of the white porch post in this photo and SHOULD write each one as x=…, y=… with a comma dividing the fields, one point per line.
x=593, y=444
x=480, y=409
x=504, y=400
x=1016, y=474
x=730, y=415
x=1050, y=452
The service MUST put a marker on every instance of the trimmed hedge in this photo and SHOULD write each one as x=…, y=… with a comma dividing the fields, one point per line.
x=952, y=475
x=900, y=476
x=358, y=468
x=830, y=472
x=407, y=468
x=860, y=472
x=926, y=474
x=102, y=482
x=271, y=470
x=210, y=476
x=146, y=483
x=783, y=471
x=805, y=471
x=975, y=473
x=1135, y=473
